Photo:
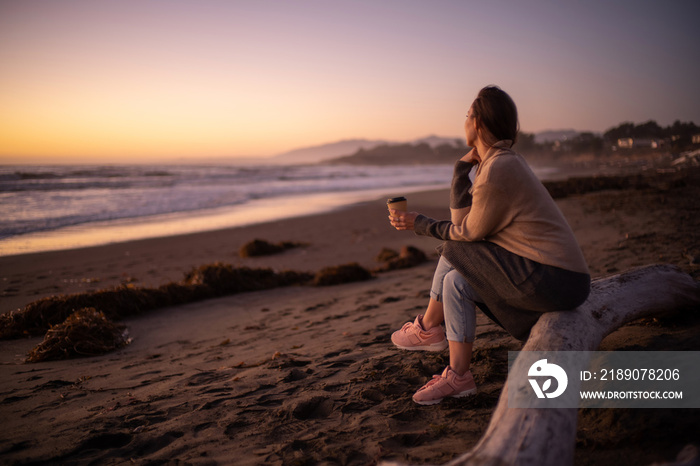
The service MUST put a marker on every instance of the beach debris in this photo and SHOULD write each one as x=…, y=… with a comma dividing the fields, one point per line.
x=38, y=316
x=221, y=279
x=86, y=332
x=386, y=254
x=261, y=247
x=201, y=283
x=341, y=274
x=691, y=158
x=409, y=256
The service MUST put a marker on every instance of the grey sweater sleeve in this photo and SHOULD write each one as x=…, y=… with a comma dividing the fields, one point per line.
x=427, y=226
x=460, y=195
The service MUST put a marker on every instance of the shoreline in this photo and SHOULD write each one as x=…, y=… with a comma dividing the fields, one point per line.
x=258, y=211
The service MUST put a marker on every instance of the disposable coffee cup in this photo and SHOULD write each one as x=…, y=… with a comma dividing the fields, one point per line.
x=397, y=203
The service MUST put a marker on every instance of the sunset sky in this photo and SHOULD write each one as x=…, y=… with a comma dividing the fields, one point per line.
x=135, y=80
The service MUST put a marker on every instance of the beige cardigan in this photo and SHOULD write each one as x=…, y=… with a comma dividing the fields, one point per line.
x=508, y=206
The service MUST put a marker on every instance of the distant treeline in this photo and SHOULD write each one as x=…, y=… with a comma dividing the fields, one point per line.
x=644, y=137
x=678, y=137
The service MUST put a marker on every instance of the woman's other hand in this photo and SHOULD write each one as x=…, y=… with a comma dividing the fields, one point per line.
x=402, y=220
x=472, y=157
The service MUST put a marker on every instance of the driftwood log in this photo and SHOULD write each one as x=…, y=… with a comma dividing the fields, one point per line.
x=528, y=436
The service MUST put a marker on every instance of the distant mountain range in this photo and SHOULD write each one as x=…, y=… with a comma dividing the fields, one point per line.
x=328, y=151
x=315, y=154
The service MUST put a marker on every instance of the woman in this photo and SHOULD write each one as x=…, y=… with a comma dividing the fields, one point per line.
x=507, y=249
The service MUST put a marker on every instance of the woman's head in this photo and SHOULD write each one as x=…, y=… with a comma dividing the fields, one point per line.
x=495, y=112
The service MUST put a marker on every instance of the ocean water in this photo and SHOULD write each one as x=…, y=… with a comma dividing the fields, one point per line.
x=58, y=207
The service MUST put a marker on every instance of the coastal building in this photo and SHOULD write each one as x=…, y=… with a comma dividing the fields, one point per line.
x=629, y=143
x=625, y=143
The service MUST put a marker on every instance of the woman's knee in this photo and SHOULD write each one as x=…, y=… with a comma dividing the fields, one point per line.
x=452, y=279
x=456, y=281
x=443, y=268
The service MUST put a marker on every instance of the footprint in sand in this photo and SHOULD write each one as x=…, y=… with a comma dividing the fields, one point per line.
x=316, y=407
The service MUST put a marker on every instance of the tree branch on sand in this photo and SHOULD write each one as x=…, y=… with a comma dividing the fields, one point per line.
x=530, y=436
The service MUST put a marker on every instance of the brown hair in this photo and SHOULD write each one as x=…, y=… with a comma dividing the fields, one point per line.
x=496, y=112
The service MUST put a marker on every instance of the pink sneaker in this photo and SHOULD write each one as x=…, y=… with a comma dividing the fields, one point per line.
x=447, y=384
x=413, y=337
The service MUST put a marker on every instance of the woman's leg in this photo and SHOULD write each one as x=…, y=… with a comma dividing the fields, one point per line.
x=434, y=314
x=460, y=356
x=460, y=320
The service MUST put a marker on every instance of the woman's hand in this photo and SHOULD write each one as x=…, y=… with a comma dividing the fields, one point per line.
x=402, y=220
x=472, y=157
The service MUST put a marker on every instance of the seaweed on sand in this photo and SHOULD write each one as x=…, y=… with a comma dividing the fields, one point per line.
x=261, y=247
x=341, y=274
x=86, y=332
x=221, y=279
x=408, y=257
x=120, y=302
x=201, y=283
x=386, y=254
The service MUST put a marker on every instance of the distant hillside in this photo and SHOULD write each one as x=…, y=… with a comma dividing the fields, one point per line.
x=315, y=154
x=333, y=150
x=406, y=154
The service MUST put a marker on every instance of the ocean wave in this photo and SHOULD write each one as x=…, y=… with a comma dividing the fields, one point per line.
x=45, y=198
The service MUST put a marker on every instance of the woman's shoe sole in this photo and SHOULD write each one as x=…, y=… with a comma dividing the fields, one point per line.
x=463, y=394
x=434, y=347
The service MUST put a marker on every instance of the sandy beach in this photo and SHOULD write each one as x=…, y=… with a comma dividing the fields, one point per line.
x=308, y=375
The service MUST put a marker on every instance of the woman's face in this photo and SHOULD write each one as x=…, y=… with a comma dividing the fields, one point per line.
x=470, y=129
